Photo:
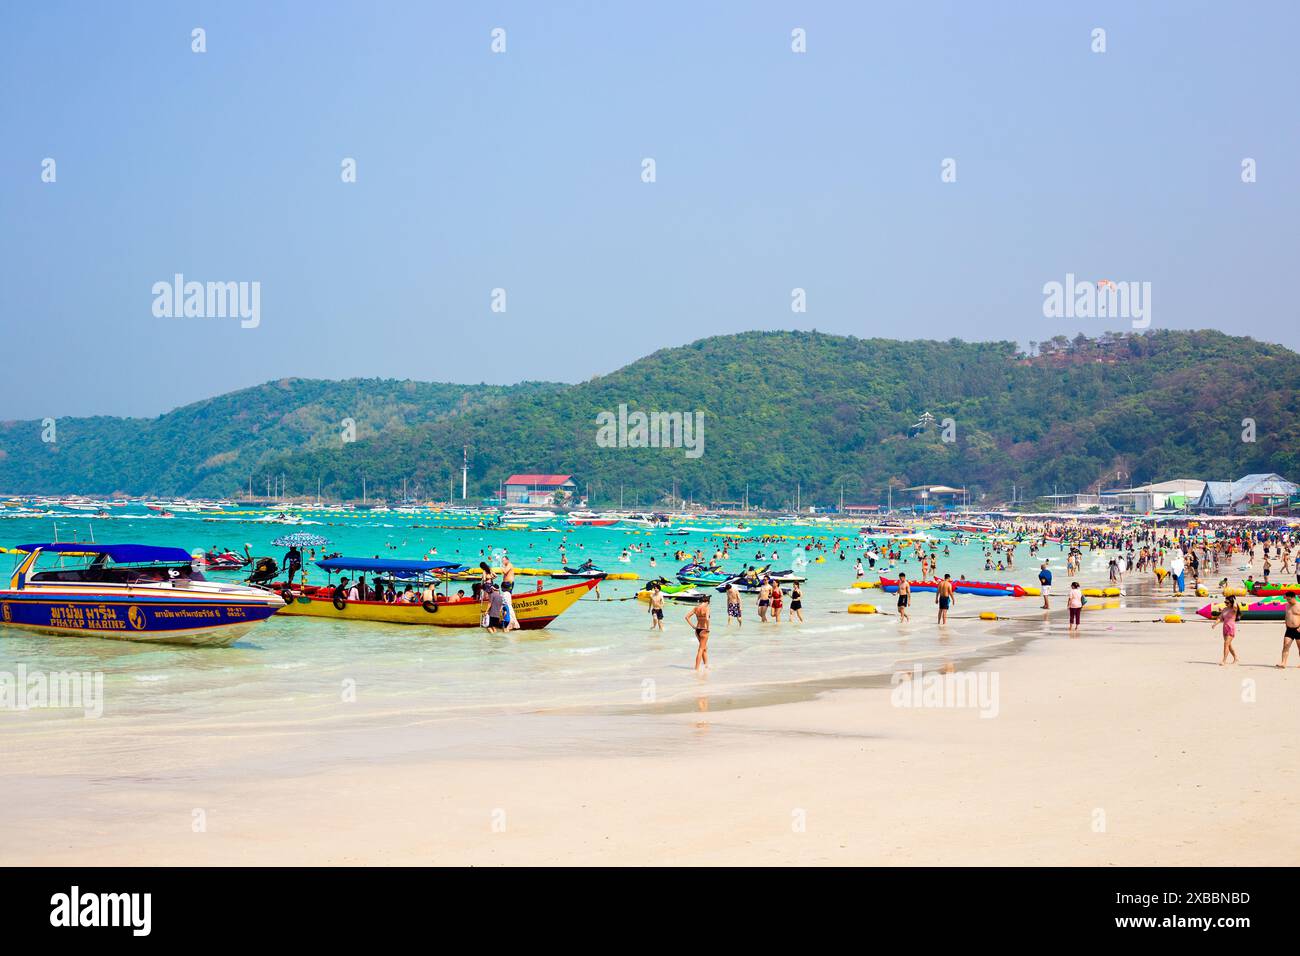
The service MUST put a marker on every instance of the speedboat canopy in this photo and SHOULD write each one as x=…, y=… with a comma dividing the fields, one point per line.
x=117, y=553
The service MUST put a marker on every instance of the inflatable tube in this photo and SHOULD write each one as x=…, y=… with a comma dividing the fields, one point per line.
x=862, y=609
x=961, y=586
x=1260, y=589
x=865, y=584
x=625, y=576
x=1270, y=609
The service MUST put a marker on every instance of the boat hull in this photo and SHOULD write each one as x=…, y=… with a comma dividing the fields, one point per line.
x=532, y=609
x=140, y=618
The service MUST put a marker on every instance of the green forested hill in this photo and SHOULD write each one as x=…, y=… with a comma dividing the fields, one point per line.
x=212, y=447
x=782, y=410
x=821, y=412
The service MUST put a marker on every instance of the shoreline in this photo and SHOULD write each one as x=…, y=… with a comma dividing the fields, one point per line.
x=1125, y=727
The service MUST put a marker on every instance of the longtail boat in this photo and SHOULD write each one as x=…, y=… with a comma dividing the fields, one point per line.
x=532, y=609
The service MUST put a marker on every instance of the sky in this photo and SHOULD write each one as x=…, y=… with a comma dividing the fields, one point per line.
x=524, y=171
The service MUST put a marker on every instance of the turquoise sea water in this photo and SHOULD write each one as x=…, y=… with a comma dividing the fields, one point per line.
x=600, y=654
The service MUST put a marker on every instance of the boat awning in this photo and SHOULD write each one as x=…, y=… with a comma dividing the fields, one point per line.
x=117, y=553
x=386, y=566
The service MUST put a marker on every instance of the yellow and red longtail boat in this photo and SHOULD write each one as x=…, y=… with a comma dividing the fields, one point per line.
x=532, y=609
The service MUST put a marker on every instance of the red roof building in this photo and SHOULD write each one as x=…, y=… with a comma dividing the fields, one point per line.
x=537, y=489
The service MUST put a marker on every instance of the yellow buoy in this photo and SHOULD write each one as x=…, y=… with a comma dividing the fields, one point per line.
x=1033, y=592
x=862, y=609
x=1173, y=619
x=1202, y=592
x=1236, y=592
x=1110, y=592
x=624, y=576
x=988, y=616
x=866, y=584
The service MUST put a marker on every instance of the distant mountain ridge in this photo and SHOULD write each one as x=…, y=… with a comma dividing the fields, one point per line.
x=212, y=447
x=795, y=416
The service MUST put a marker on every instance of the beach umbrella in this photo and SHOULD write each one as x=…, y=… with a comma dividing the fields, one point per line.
x=300, y=539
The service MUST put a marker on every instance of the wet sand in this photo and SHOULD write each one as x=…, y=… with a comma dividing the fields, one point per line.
x=1125, y=746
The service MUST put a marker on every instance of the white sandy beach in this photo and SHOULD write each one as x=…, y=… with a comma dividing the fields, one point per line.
x=1126, y=746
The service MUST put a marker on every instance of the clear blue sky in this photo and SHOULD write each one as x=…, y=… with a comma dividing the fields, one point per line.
x=522, y=171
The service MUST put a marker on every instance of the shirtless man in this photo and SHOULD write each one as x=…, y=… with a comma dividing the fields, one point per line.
x=507, y=574
x=1292, y=632
x=656, y=607
x=944, y=596
x=700, y=613
x=904, y=596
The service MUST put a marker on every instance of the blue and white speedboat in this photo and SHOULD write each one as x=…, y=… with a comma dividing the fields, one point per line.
x=131, y=592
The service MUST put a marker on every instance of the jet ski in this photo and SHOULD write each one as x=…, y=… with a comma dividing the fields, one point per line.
x=585, y=571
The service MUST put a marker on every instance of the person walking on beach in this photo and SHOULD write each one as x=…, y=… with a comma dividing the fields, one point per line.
x=796, y=602
x=943, y=596
x=656, y=607
x=698, y=618
x=857, y=569
x=1045, y=584
x=1292, y=632
x=1228, y=621
x=778, y=598
x=904, y=596
x=1074, y=602
x=733, y=605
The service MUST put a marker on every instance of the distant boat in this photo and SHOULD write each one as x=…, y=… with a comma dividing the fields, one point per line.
x=526, y=516
x=591, y=518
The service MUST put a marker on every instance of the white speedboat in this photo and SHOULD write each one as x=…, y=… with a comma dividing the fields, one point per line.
x=131, y=592
x=526, y=516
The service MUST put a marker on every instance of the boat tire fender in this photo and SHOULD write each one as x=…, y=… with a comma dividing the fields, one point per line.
x=430, y=606
x=340, y=602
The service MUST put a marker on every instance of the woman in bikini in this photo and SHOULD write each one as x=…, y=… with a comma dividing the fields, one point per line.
x=1228, y=621
x=700, y=614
